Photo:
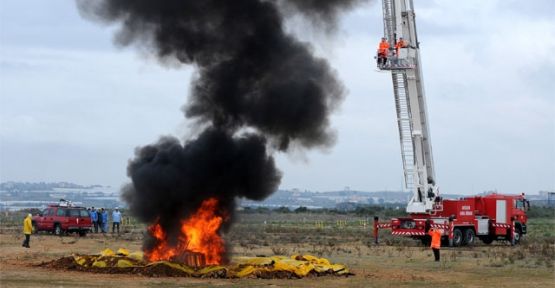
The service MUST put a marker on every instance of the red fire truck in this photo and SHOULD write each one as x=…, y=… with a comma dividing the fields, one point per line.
x=488, y=217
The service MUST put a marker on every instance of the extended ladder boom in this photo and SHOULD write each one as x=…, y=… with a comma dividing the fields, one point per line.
x=410, y=103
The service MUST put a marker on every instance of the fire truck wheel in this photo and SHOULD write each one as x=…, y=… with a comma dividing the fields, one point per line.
x=457, y=237
x=518, y=234
x=469, y=237
x=35, y=230
x=487, y=240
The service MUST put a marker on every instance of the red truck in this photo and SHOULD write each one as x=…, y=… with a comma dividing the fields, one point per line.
x=63, y=218
x=488, y=218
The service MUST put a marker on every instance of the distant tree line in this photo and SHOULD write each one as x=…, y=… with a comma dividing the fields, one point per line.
x=541, y=212
x=358, y=211
x=369, y=210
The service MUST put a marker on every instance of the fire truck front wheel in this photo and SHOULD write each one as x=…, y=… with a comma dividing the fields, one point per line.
x=518, y=234
x=457, y=237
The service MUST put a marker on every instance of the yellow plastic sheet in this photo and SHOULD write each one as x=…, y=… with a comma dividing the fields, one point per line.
x=137, y=255
x=107, y=252
x=300, y=268
x=246, y=271
x=122, y=251
x=99, y=264
x=177, y=266
x=257, y=261
x=79, y=260
x=122, y=263
x=210, y=269
x=299, y=265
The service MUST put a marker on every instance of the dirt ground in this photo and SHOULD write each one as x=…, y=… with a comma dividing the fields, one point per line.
x=374, y=266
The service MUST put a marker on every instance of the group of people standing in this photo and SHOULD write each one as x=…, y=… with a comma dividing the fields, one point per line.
x=99, y=218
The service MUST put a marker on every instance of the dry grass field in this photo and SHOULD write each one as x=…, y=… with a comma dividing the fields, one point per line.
x=343, y=239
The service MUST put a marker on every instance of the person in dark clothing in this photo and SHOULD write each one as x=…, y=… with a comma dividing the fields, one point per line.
x=98, y=220
x=94, y=219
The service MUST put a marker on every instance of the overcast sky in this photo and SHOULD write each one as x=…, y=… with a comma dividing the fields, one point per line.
x=73, y=106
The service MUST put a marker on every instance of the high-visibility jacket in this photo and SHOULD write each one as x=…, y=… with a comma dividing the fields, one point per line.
x=436, y=238
x=383, y=47
x=27, y=226
x=399, y=45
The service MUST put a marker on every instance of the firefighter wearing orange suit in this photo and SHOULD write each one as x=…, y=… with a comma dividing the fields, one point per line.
x=383, y=49
x=400, y=44
x=436, y=241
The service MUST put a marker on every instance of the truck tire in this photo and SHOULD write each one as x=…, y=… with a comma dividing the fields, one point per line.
x=58, y=230
x=469, y=237
x=487, y=239
x=518, y=235
x=82, y=233
x=35, y=230
x=457, y=237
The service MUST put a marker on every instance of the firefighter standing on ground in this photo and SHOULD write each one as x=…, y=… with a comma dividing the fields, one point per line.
x=383, y=50
x=436, y=241
x=27, y=230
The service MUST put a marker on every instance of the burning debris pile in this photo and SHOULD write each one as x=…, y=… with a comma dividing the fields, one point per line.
x=257, y=90
x=123, y=262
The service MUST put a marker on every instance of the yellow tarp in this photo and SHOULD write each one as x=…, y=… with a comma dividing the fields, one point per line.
x=137, y=255
x=177, y=266
x=122, y=251
x=300, y=268
x=79, y=260
x=99, y=264
x=299, y=265
x=257, y=261
x=311, y=259
x=107, y=252
x=122, y=263
x=246, y=271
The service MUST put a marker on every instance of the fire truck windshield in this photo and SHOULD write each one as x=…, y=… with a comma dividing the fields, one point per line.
x=520, y=204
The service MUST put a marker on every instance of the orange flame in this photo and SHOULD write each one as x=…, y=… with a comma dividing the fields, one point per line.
x=199, y=233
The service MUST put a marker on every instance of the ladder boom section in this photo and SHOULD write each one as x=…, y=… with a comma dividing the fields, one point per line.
x=410, y=104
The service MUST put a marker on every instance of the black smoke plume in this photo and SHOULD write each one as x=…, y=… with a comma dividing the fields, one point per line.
x=251, y=75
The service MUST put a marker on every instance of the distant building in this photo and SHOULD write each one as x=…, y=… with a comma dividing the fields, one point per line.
x=550, y=199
